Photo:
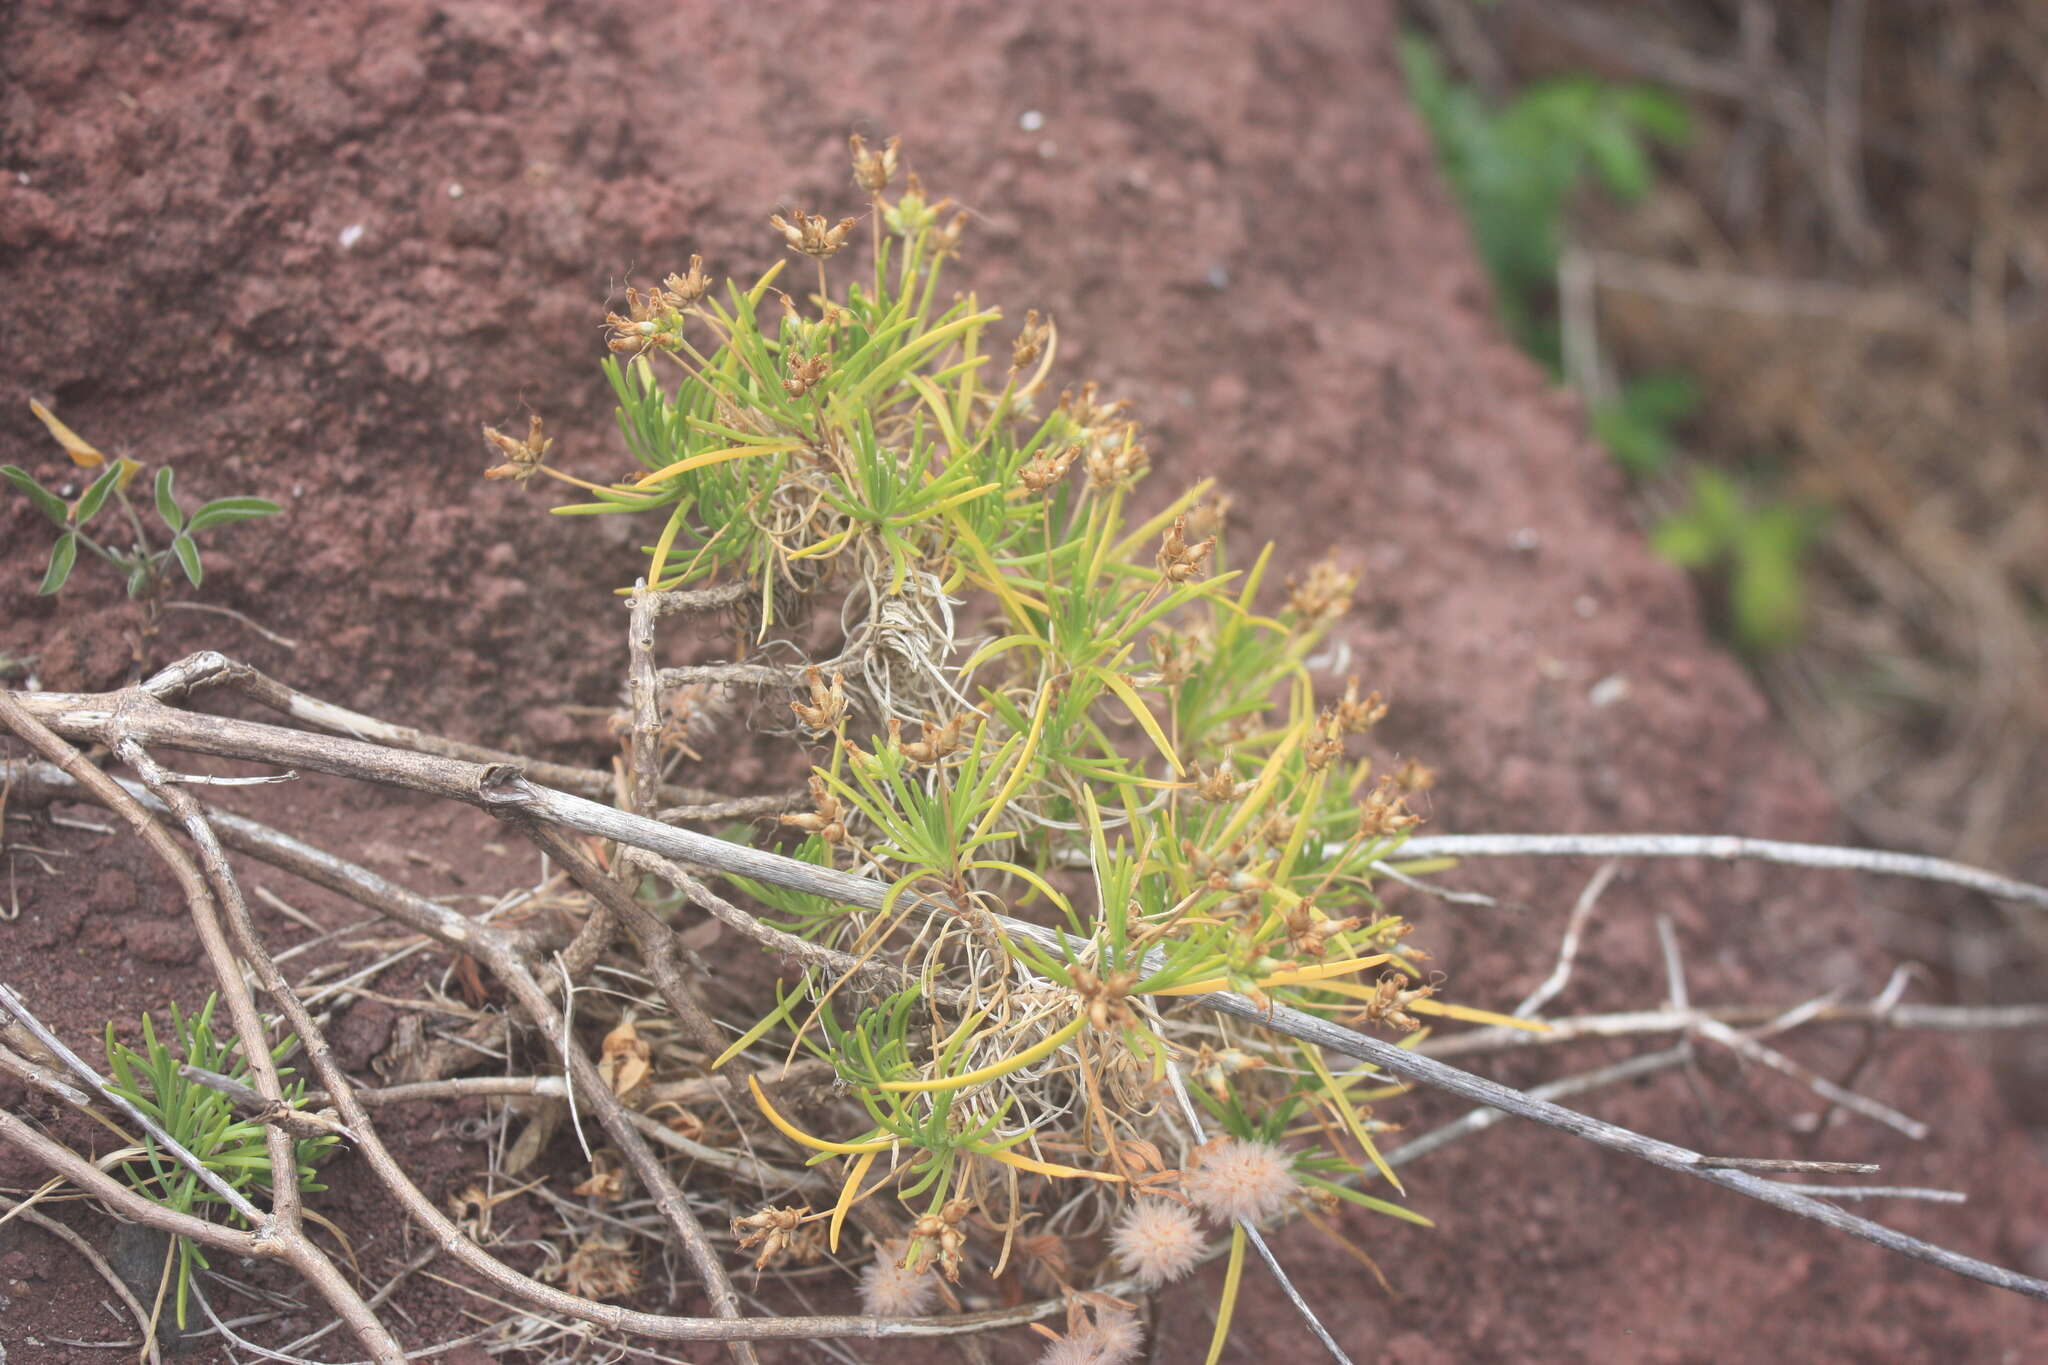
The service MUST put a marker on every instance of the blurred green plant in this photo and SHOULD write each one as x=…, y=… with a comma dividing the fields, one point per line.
x=201, y=1118
x=1516, y=169
x=1636, y=425
x=1756, y=548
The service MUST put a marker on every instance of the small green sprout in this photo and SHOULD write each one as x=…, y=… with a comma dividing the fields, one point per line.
x=144, y=559
x=202, y=1119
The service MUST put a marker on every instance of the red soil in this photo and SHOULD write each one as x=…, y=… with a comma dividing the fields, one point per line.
x=1235, y=218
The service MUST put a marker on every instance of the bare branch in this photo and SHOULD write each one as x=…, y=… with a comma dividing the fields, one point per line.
x=1726, y=848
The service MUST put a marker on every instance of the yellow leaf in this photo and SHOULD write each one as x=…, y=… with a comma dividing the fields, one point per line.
x=799, y=1136
x=1226, y=1302
x=847, y=1195
x=1044, y=1047
x=1128, y=695
x=1025, y=1163
x=710, y=457
x=1342, y=1103
x=1473, y=1016
x=82, y=452
x=1296, y=977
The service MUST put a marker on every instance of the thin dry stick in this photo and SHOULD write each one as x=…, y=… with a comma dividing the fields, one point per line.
x=1670, y=1156
x=88, y=717
x=256, y=1054
x=42, y=1078
x=209, y=668
x=486, y=942
x=1746, y=1046
x=300, y=1123
x=656, y=941
x=98, y=1263
x=1628, y=1024
x=1726, y=848
x=643, y=684
x=1568, y=950
x=1884, y=1192
x=728, y=675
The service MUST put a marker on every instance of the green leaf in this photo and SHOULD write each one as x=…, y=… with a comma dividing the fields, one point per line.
x=1619, y=158
x=96, y=496
x=1687, y=542
x=188, y=557
x=167, y=505
x=221, y=511
x=62, y=557
x=48, y=503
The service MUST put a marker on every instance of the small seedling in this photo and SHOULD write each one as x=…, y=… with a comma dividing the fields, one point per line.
x=1758, y=545
x=202, y=1119
x=144, y=560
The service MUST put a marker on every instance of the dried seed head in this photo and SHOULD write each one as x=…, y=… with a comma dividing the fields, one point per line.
x=1025, y=350
x=1325, y=595
x=828, y=704
x=1411, y=776
x=944, y=1238
x=827, y=817
x=1205, y=519
x=1390, y=998
x=1385, y=811
x=1043, y=471
x=1177, y=559
x=1355, y=717
x=1214, y=1067
x=946, y=240
x=804, y=374
x=1086, y=413
x=1325, y=744
x=523, y=459
x=777, y=1231
x=1309, y=936
x=680, y=291
x=872, y=171
x=1105, y=1000
x=1117, y=460
x=811, y=234
x=1219, y=784
x=939, y=740
x=600, y=1268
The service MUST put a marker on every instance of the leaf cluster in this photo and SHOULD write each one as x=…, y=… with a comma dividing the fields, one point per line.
x=202, y=1119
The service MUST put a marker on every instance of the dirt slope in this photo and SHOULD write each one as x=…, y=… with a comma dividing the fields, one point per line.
x=303, y=250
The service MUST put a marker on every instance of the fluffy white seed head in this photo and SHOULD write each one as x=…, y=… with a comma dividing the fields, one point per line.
x=887, y=1290
x=1157, y=1240
x=1240, y=1179
x=1114, y=1338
